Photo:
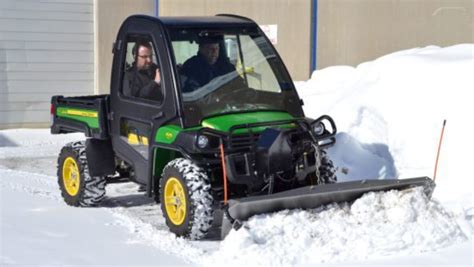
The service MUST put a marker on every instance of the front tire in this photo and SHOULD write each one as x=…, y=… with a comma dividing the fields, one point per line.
x=77, y=187
x=186, y=199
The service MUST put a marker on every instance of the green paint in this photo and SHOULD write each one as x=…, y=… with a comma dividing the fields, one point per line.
x=225, y=122
x=167, y=134
x=88, y=116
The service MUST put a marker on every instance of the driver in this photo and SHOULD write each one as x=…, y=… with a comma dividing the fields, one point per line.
x=206, y=64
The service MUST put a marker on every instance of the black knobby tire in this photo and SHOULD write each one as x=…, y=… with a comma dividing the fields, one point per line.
x=327, y=171
x=91, y=189
x=198, y=198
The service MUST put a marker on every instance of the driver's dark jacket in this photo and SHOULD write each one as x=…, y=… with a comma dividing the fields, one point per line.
x=141, y=83
x=196, y=72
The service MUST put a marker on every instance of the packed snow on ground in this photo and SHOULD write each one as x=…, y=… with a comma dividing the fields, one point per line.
x=389, y=114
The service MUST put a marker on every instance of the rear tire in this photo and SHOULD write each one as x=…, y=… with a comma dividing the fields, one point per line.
x=77, y=187
x=327, y=171
x=186, y=199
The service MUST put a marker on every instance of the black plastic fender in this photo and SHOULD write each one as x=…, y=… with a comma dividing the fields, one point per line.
x=100, y=157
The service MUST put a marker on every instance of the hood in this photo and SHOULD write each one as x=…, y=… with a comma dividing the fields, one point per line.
x=225, y=122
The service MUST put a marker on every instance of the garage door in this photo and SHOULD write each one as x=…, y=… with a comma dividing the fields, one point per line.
x=46, y=48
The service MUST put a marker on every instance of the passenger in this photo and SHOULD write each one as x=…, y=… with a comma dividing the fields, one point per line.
x=205, y=65
x=143, y=78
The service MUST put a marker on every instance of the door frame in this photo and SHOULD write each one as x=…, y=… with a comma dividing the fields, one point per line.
x=143, y=111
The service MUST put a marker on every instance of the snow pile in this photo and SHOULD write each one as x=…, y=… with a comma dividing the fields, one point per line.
x=390, y=112
x=376, y=224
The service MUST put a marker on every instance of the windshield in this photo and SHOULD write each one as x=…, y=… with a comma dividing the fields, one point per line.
x=230, y=71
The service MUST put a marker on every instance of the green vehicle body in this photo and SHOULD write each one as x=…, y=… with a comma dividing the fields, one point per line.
x=167, y=134
x=87, y=116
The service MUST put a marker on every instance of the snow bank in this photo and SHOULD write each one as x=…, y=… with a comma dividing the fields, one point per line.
x=390, y=113
x=377, y=224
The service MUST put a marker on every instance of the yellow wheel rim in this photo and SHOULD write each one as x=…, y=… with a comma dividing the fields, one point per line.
x=175, y=201
x=71, y=176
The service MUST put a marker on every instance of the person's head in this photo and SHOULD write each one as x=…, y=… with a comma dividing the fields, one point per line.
x=209, y=49
x=143, y=54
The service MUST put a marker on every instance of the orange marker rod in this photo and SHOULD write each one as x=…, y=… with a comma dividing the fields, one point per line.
x=224, y=172
x=439, y=149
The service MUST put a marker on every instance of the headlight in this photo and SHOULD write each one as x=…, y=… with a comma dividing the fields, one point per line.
x=318, y=128
x=202, y=141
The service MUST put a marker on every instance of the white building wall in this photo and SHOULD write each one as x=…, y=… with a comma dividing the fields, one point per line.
x=46, y=48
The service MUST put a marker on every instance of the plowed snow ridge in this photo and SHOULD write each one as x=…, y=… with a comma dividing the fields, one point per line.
x=376, y=224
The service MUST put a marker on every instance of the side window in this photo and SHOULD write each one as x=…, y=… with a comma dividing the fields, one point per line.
x=142, y=77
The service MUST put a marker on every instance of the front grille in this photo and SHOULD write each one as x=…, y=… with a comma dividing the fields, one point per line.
x=239, y=141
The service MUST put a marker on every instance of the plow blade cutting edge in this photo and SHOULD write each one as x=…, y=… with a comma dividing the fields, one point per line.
x=311, y=197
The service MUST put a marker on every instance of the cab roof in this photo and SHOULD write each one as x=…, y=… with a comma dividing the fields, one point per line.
x=221, y=20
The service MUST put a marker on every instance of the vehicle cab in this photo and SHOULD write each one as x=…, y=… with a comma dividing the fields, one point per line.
x=254, y=88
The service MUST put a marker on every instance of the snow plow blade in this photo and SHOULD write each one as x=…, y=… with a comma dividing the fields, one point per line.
x=310, y=197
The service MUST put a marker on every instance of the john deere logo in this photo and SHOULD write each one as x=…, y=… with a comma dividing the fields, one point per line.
x=168, y=135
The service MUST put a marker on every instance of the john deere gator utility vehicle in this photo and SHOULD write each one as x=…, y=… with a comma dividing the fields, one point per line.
x=213, y=155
